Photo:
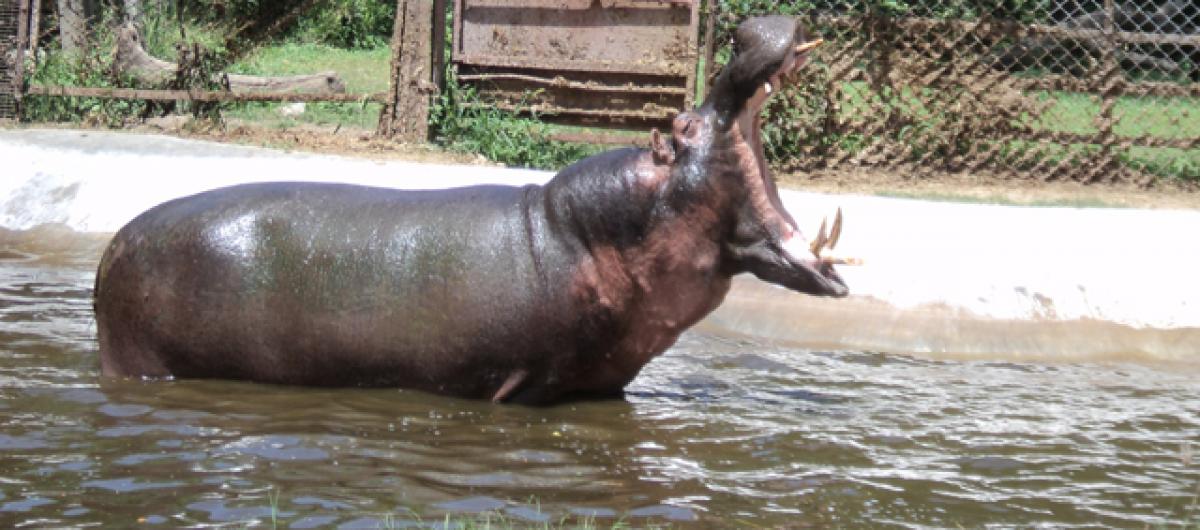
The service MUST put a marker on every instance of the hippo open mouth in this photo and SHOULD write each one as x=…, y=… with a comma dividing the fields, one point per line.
x=816, y=256
x=767, y=242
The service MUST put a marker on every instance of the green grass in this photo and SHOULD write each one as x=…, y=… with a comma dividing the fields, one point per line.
x=1136, y=116
x=464, y=123
x=363, y=72
x=1161, y=117
x=351, y=115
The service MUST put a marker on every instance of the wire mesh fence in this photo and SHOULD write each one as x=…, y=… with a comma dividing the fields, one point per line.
x=9, y=16
x=1047, y=89
x=1086, y=90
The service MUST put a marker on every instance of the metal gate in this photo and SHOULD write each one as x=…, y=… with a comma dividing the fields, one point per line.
x=611, y=63
x=14, y=16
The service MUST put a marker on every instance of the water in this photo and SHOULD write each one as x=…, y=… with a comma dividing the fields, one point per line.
x=719, y=432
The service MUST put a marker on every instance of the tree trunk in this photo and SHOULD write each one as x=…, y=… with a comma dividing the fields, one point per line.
x=132, y=9
x=405, y=116
x=132, y=59
x=74, y=22
x=35, y=30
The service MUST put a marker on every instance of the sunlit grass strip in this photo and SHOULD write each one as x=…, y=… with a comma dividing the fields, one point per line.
x=1136, y=116
x=1160, y=117
x=363, y=71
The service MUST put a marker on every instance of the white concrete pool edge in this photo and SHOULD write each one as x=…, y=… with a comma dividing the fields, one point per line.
x=1133, y=268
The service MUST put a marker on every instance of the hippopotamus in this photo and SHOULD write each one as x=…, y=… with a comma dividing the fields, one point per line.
x=530, y=294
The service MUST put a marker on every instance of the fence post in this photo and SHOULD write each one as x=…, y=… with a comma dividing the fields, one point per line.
x=1110, y=77
x=439, y=44
x=405, y=116
x=35, y=16
x=706, y=74
x=23, y=21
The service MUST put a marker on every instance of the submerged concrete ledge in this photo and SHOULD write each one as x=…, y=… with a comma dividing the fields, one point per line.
x=940, y=279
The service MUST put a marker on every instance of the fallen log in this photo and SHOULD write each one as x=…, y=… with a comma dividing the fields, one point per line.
x=133, y=60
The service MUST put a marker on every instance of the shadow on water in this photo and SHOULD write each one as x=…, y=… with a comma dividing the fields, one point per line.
x=721, y=431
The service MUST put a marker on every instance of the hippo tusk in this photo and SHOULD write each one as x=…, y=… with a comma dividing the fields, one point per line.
x=808, y=46
x=818, y=244
x=831, y=258
x=835, y=233
x=822, y=247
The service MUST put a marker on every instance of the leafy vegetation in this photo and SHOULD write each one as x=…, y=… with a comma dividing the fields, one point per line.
x=364, y=71
x=86, y=70
x=464, y=123
x=354, y=24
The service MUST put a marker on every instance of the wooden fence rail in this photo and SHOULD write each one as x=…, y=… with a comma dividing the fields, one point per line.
x=198, y=95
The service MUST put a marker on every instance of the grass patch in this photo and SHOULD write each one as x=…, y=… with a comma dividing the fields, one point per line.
x=1160, y=117
x=352, y=115
x=364, y=71
x=465, y=123
x=1135, y=116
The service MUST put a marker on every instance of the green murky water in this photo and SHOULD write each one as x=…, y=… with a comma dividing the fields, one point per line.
x=719, y=432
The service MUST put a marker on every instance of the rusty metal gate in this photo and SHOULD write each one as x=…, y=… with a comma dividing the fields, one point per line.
x=14, y=18
x=608, y=63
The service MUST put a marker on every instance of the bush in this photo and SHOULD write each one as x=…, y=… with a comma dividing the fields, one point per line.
x=462, y=122
x=93, y=68
x=349, y=24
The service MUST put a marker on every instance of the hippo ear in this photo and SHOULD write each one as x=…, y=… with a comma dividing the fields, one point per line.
x=663, y=153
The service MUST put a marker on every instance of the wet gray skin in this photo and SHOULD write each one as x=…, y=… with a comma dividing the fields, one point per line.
x=527, y=295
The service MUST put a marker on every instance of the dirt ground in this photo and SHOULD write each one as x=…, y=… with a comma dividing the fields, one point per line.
x=993, y=190
x=863, y=181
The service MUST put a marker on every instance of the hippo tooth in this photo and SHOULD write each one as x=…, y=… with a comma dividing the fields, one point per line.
x=831, y=258
x=767, y=86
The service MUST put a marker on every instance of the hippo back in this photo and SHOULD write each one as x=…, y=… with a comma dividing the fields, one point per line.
x=327, y=284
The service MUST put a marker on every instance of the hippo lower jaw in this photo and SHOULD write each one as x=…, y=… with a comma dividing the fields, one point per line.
x=792, y=265
x=827, y=281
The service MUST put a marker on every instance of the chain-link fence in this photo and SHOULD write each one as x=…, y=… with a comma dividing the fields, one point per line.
x=1092, y=91
x=1087, y=90
x=9, y=26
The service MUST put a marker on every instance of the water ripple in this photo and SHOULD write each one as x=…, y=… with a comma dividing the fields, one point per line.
x=719, y=432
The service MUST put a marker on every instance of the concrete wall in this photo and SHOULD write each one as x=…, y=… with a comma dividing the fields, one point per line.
x=940, y=279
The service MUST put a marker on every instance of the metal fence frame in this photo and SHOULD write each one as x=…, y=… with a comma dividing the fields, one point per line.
x=870, y=56
x=14, y=31
x=947, y=65
x=620, y=64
